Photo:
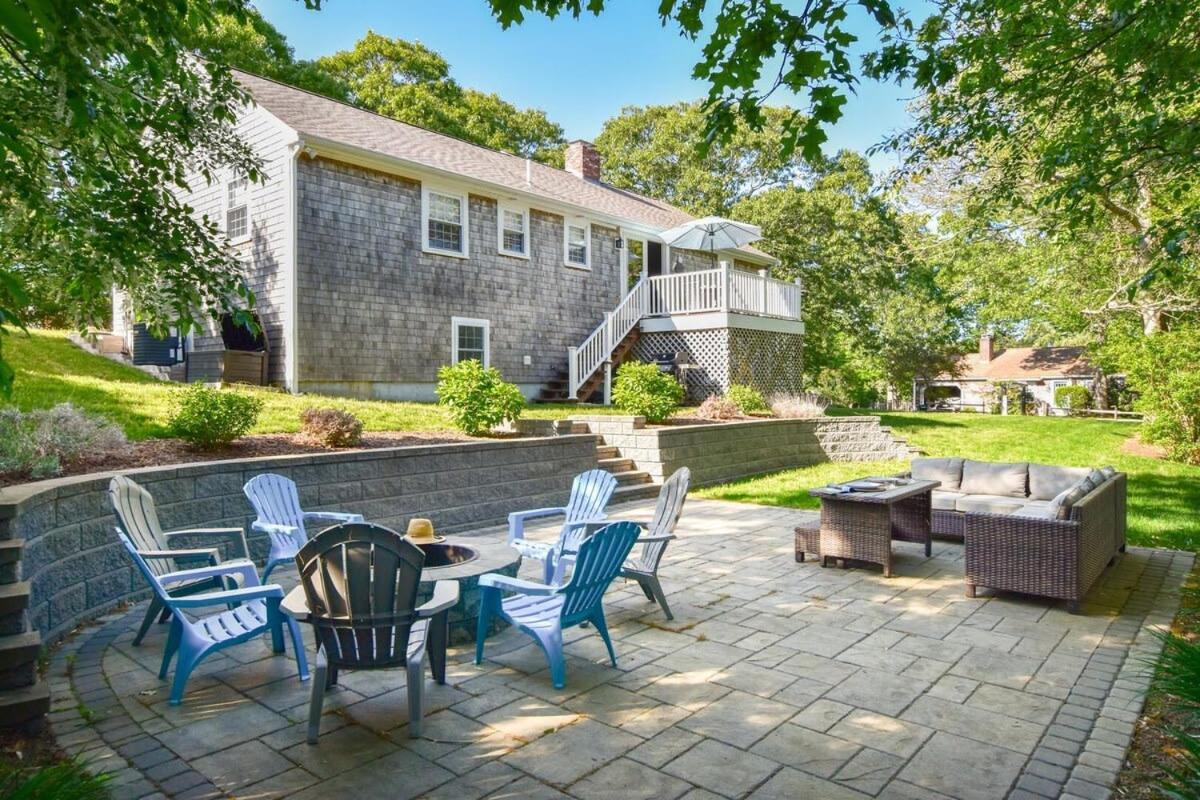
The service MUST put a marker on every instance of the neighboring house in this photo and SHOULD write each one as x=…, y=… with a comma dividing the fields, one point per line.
x=379, y=251
x=1038, y=370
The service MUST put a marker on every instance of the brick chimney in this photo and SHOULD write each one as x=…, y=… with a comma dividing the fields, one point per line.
x=582, y=160
x=986, y=349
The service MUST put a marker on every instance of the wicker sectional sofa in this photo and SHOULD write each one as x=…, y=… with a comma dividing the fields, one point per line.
x=1029, y=528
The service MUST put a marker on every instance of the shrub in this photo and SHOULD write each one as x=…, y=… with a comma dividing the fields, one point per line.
x=798, y=406
x=69, y=780
x=41, y=442
x=477, y=396
x=206, y=418
x=645, y=390
x=1162, y=369
x=717, y=407
x=331, y=427
x=746, y=398
x=1073, y=397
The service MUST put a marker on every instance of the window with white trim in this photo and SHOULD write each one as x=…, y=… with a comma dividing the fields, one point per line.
x=514, y=231
x=237, y=208
x=577, y=248
x=470, y=339
x=444, y=222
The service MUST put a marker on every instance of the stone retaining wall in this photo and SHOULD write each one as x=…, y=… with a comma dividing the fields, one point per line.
x=76, y=569
x=719, y=452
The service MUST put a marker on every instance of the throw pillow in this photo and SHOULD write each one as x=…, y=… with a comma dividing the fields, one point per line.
x=946, y=470
x=982, y=477
x=1061, y=505
x=1108, y=471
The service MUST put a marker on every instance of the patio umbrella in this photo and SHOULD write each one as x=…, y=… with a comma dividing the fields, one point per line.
x=712, y=234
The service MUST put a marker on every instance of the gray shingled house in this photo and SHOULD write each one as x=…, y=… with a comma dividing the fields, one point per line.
x=379, y=251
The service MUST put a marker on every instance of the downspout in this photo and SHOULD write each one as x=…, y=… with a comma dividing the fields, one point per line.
x=291, y=328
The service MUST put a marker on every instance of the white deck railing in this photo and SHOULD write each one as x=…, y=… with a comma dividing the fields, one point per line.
x=720, y=290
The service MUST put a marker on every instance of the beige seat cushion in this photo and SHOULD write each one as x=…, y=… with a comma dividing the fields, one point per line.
x=946, y=470
x=1047, y=482
x=988, y=503
x=983, y=477
x=944, y=501
x=1038, y=510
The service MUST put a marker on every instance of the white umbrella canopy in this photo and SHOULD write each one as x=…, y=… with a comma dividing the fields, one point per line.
x=712, y=234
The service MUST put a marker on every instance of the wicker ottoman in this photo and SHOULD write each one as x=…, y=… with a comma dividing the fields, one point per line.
x=808, y=539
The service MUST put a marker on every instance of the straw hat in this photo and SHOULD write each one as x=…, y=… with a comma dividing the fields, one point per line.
x=420, y=531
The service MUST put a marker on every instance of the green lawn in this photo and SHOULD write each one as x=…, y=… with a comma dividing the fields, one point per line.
x=1163, y=496
x=50, y=370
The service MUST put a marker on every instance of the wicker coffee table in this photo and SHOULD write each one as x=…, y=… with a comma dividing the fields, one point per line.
x=860, y=526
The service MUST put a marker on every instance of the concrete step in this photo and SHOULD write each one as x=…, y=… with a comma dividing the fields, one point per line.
x=24, y=707
x=10, y=560
x=607, y=451
x=18, y=659
x=617, y=465
x=635, y=491
x=14, y=599
x=632, y=477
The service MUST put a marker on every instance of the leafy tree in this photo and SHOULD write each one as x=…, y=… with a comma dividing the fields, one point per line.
x=1165, y=369
x=1085, y=114
x=842, y=240
x=409, y=82
x=101, y=113
x=917, y=338
x=249, y=42
x=660, y=151
x=755, y=48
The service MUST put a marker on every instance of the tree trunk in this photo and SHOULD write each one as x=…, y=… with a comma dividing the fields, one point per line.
x=1152, y=320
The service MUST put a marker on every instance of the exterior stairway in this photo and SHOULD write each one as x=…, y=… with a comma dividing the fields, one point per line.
x=557, y=389
x=24, y=697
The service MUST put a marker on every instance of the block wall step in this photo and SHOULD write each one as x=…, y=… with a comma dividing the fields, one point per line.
x=615, y=465
x=632, y=477
x=26, y=705
x=636, y=491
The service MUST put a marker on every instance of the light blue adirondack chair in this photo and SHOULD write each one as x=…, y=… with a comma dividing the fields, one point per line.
x=543, y=611
x=590, y=493
x=277, y=504
x=256, y=612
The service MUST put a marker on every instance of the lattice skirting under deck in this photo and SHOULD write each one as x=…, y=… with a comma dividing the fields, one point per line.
x=768, y=361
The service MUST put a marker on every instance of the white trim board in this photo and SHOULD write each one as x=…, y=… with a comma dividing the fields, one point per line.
x=719, y=319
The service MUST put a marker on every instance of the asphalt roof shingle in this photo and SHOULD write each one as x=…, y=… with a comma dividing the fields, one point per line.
x=319, y=116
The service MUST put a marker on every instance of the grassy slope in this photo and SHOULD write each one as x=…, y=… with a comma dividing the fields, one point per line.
x=1163, y=496
x=50, y=370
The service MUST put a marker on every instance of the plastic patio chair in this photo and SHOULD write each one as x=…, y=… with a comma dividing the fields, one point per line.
x=256, y=612
x=361, y=582
x=643, y=567
x=277, y=504
x=543, y=611
x=138, y=518
x=590, y=493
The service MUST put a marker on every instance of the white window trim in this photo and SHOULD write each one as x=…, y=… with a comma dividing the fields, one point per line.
x=516, y=209
x=464, y=219
x=587, y=232
x=456, y=322
x=226, y=208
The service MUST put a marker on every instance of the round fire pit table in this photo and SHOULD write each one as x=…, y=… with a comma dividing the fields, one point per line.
x=464, y=559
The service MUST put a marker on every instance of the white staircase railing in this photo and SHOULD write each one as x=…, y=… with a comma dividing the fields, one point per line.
x=722, y=289
x=583, y=361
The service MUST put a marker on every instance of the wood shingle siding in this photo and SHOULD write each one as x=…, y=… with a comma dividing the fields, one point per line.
x=375, y=310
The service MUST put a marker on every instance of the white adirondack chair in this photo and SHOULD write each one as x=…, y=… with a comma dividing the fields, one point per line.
x=643, y=567
x=138, y=519
x=277, y=504
x=590, y=493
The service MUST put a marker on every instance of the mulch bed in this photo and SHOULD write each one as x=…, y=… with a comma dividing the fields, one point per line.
x=1150, y=753
x=163, y=452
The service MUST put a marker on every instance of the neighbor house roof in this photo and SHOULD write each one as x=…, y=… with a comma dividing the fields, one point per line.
x=1026, y=363
x=316, y=116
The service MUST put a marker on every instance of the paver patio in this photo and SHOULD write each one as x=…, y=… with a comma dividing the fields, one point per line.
x=776, y=679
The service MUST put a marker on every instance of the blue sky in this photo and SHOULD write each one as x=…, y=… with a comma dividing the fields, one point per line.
x=581, y=72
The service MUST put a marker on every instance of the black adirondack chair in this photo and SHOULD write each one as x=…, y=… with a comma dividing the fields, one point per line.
x=361, y=582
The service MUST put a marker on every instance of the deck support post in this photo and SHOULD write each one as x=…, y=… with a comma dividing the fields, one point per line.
x=572, y=376
x=608, y=383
